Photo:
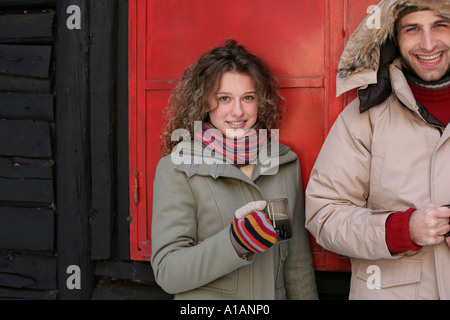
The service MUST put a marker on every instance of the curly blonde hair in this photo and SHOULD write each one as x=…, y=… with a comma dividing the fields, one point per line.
x=189, y=100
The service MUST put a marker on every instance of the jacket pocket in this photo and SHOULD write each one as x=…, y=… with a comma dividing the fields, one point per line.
x=283, y=247
x=225, y=284
x=387, y=279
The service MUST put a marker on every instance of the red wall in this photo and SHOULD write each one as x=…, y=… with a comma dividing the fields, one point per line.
x=300, y=39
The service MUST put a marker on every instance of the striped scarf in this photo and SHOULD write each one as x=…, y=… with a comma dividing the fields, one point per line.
x=238, y=151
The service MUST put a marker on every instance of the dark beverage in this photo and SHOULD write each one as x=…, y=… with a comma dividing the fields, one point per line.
x=283, y=228
x=277, y=211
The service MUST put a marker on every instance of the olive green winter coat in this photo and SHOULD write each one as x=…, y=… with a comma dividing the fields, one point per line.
x=192, y=253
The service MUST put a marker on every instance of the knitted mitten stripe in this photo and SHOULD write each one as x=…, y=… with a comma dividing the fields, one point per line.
x=254, y=233
x=240, y=238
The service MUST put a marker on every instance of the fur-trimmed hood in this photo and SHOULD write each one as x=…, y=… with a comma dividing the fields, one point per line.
x=361, y=57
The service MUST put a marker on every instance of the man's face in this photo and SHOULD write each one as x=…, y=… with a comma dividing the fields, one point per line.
x=424, y=42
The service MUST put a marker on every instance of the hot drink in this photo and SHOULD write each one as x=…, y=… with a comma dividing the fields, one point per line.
x=277, y=211
x=282, y=227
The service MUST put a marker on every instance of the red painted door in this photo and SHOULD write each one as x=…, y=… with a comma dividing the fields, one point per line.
x=300, y=39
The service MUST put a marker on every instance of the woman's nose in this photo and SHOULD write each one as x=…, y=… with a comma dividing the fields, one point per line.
x=237, y=109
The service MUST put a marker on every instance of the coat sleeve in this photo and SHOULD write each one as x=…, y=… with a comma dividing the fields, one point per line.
x=179, y=262
x=338, y=189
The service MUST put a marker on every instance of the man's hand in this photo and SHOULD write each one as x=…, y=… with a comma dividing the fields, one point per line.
x=428, y=225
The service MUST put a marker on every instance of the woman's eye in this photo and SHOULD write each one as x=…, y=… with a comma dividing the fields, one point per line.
x=224, y=99
x=249, y=98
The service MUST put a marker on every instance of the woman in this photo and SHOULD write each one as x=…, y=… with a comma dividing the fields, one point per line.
x=211, y=188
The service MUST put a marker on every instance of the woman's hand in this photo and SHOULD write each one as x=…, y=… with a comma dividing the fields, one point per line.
x=251, y=229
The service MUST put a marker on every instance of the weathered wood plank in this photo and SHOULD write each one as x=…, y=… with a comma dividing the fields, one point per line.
x=26, y=229
x=16, y=294
x=27, y=28
x=37, y=271
x=25, y=60
x=108, y=289
x=10, y=83
x=26, y=138
x=117, y=281
x=15, y=281
x=26, y=190
x=26, y=106
x=27, y=4
x=129, y=270
x=24, y=168
x=122, y=203
x=103, y=103
x=73, y=152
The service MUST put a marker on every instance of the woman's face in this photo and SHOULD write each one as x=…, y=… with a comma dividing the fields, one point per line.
x=234, y=107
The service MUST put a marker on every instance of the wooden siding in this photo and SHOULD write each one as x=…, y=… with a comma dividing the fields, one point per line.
x=27, y=157
x=63, y=153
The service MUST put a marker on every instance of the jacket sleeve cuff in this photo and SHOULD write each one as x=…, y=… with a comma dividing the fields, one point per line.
x=241, y=252
x=397, y=232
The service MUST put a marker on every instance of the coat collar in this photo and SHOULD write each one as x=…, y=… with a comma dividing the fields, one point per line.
x=393, y=82
x=400, y=86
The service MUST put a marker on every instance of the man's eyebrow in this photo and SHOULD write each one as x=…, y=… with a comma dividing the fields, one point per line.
x=443, y=20
x=409, y=25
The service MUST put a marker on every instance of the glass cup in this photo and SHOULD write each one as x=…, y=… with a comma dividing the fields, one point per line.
x=277, y=211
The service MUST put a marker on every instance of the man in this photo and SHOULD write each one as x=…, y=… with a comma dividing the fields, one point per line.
x=378, y=190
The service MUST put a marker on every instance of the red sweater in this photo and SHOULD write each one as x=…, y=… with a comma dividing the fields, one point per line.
x=437, y=102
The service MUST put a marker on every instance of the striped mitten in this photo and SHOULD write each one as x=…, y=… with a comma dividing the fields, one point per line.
x=254, y=233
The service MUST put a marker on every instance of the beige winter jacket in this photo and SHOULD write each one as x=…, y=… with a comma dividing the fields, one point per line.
x=372, y=164
x=193, y=207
